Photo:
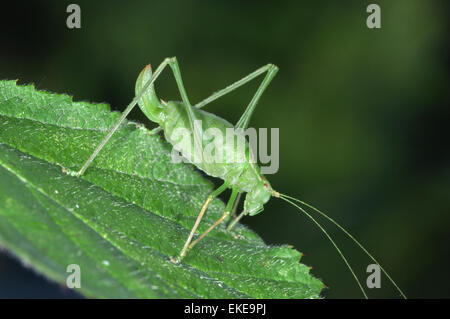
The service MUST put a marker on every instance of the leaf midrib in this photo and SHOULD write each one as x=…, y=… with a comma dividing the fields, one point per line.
x=28, y=183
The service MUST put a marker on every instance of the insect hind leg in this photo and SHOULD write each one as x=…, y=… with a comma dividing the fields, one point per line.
x=245, y=118
x=235, y=85
x=128, y=109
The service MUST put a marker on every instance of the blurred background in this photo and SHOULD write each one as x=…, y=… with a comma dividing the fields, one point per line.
x=363, y=113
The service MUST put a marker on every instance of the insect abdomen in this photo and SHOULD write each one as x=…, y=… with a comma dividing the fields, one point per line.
x=217, y=157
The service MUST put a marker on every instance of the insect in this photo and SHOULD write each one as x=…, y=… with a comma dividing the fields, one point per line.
x=241, y=178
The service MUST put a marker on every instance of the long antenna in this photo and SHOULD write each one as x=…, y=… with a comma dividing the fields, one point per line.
x=331, y=240
x=350, y=236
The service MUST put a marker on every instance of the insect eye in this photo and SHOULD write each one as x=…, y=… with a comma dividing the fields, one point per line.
x=265, y=185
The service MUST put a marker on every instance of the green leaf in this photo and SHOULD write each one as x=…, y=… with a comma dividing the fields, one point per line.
x=124, y=218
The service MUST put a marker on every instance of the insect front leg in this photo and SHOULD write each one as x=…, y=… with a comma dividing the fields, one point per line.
x=236, y=220
x=185, y=248
x=236, y=204
x=156, y=130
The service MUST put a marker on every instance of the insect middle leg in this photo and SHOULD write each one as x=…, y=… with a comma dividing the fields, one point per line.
x=185, y=248
x=227, y=212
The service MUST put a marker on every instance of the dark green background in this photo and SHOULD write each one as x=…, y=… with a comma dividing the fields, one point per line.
x=363, y=113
